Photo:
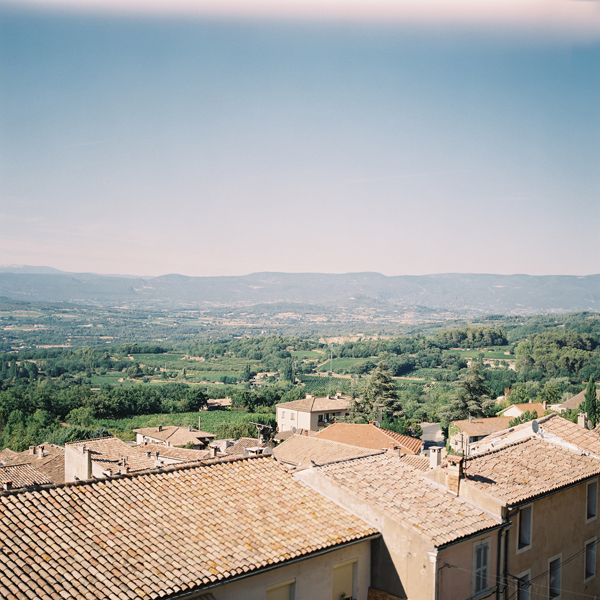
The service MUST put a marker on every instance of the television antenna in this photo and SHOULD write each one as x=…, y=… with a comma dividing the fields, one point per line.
x=259, y=429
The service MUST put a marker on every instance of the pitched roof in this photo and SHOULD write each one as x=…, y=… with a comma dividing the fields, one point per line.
x=22, y=476
x=416, y=461
x=477, y=427
x=176, y=436
x=369, y=436
x=527, y=406
x=146, y=536
x=110, y=452
x=576, y=400
x=559, y=430
x=405, y=495
x=182, y=454
x=240, y=446
x=527, y=468
x=301, y=450
x=48, y=459
x=313, y=404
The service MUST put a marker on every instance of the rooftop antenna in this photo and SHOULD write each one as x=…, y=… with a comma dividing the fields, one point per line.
x=259, y=429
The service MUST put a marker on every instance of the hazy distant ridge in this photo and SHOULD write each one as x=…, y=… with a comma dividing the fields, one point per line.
x=523, y=294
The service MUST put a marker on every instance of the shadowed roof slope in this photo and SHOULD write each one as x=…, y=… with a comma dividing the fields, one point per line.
x=175, y=435
x=155, y=534
x=48, y=459
x=301, y=450
x=369, y=436
x=22, y=476
x=403, y=494
x=527, y=468
x=485, y=426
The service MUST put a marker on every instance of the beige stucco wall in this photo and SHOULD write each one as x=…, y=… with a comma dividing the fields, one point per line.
x=78, y=464
x=558, y=526
x=406, y=552
x=457, y=581
x=313, y=577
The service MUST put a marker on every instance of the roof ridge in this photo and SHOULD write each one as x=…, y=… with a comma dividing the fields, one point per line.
x=143, y=472
x=493, y=450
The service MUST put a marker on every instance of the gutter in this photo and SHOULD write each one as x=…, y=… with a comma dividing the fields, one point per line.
x=198, y=593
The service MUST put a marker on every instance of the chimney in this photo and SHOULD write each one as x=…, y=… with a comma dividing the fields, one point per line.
x=160, y=427
x=544, y=405
x=581, y=420
x=190, y=428
x=40, y=451
x=470, y=419
x=7, y=486
x=455, y=473
x=213, y=451
x=156, y=454
x=435, y=457
x=31, y=449
x=78, y=462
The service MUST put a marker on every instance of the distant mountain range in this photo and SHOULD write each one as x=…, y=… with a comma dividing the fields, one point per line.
x=460, y=293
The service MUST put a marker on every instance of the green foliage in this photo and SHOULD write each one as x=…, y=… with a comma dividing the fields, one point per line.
x=378, y=398
x=471, y=398
x=591, y=402
x=524, y=418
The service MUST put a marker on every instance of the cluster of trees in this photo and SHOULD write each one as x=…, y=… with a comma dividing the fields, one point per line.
x=559, y=354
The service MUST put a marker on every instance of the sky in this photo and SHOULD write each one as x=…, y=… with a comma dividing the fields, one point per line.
x=231, y=137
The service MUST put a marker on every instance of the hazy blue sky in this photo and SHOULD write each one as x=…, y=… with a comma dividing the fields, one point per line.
x=150, y=142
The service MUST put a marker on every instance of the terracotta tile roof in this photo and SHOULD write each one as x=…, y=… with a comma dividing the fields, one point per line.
x=51, y=463
x=402, y=493
x=109, y=452
x=240, y=446
x=416, y=461
x=477, y=427
x=576, y=400
x=176, y=436
x=183, y=454
x=571, y=432
x=152, y=535
x=528, y=406
x=553, y=426
x=527, y=468
x=313, y=404
x=369, y=436
x=22, y=476
x=301, y=450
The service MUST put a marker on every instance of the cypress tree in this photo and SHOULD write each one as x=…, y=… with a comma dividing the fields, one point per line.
x=591, y=402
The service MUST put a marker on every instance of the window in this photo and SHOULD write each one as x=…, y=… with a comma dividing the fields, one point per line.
x=282, y=591
x=524, y=586
x=283, y=414
x=292, y=416
x=320, y=420
x=344, y=581
x=554, y=577
x=524, y=537
x=481, y=562
x=590, y=560
x=592, y=500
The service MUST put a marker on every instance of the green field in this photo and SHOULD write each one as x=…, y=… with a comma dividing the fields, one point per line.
x=340, y=364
